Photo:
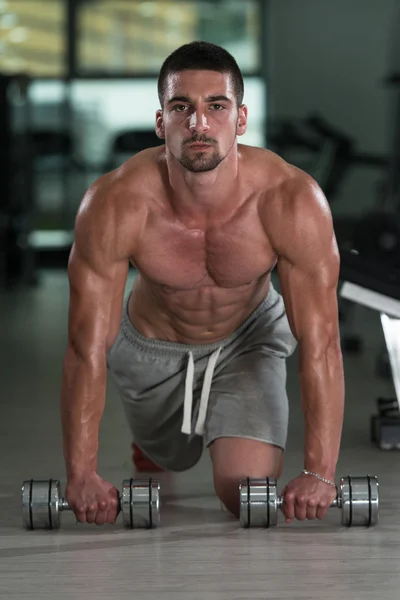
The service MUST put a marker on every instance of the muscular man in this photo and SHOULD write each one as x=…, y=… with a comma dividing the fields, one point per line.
x=198, y=349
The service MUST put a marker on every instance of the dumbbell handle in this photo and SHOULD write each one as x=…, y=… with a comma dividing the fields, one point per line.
x=357, y=497
x=42, y=503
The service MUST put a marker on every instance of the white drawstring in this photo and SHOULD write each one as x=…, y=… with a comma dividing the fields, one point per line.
x=205, y=394
x=188, y=401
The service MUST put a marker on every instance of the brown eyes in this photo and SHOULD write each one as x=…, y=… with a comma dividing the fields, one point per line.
x=183, y=107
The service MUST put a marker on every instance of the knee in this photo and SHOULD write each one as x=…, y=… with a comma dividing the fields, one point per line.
x=227, y=490
x=235, y=459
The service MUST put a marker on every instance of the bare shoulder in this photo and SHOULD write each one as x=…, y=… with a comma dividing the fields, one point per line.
x=283, y=188
x=123, y=190
x=113, y=211
x=264, y=168
x=293, y=210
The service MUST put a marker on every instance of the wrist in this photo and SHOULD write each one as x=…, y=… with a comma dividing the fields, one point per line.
x=80, y=474
x=328, y=472
x=330, y=482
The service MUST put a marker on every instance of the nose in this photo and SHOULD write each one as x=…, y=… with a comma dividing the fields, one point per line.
x=198, y=122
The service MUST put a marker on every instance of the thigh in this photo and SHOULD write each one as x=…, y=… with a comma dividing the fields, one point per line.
x=248, y=400
x=246, y=425
x=152, y=387
x=235, y=458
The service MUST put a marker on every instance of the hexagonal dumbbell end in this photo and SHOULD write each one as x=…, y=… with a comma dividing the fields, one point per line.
x=41, y=504
x=140, y=503
x=259, y=502
x=358, y=499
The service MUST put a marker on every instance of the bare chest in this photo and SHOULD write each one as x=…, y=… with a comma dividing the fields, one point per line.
x=227, y=255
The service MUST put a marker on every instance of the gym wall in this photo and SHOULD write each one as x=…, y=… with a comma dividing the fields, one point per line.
x=333, y=57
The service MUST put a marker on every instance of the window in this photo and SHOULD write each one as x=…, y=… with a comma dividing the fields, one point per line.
x=129, y=36
x=32, y=39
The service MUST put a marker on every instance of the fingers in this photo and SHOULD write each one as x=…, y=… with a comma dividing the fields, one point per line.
x=98, y=512
x=108, y=509
x=288, y=505
x=113, y=508
x=294, y=506
x=102, y=512
x=298, y=506
x=311, y=509
x=322, y=509
x=107, y=512
x=80, y=513
x=91, y=512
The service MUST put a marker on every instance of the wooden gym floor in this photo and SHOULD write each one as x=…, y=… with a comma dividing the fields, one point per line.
x=199, y=552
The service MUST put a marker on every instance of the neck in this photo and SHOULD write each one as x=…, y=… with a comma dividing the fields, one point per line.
x=205, y=192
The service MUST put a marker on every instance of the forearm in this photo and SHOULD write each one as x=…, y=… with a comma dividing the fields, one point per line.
x=322, y=391
x=82, y=406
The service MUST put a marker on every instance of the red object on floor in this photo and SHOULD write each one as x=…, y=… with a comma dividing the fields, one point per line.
x=142, y=462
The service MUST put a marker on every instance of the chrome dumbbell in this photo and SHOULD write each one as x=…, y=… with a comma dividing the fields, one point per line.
x=357, y=498
x=42, y=504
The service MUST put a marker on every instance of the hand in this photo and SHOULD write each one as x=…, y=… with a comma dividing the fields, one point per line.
x=92, y=499
x=306, y=497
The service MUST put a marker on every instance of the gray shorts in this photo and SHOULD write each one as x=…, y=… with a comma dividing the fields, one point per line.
x=178, y=397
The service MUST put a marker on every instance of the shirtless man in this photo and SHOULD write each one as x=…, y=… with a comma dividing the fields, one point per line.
x=198, y=349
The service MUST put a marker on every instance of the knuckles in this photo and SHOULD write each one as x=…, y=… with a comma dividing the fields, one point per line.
x=301, y=500
x=290, y=497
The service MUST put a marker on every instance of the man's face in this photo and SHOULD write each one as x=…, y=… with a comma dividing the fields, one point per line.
x=200, y=119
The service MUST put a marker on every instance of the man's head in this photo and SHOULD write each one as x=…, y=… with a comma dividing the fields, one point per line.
x=200, y=88
x=201, y=56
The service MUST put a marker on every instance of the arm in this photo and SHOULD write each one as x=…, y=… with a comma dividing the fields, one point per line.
x=308, y=270
x=97, y=272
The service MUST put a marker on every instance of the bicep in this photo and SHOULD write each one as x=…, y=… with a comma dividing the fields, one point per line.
x=310, y=299
x=97, y=279
x=308, y=270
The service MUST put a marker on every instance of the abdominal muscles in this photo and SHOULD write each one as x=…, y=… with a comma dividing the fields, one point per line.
x=204, y=314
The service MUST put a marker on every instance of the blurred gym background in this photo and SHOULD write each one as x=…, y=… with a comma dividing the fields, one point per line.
x=78, y=96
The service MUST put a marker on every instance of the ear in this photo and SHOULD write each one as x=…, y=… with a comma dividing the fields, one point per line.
x=241, y=127
x=160, y=124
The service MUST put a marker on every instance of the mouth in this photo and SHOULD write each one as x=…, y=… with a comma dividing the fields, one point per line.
x=199, y=146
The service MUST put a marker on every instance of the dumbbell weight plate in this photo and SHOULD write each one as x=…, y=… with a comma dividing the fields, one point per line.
x=44, y=496
x=359, y=501
x=140, y=503
x=258, y=502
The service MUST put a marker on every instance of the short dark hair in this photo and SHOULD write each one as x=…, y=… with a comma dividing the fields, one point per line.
x=201, y=56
